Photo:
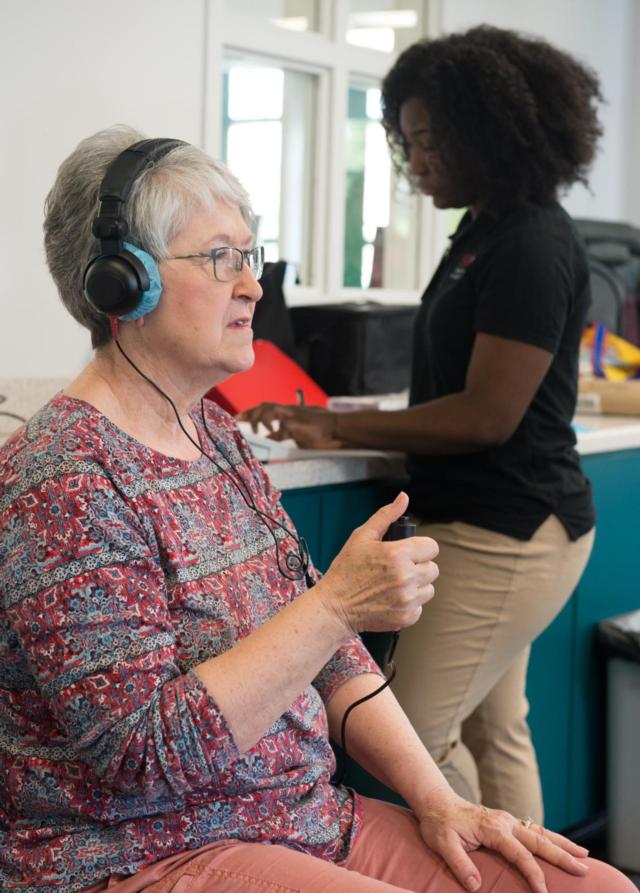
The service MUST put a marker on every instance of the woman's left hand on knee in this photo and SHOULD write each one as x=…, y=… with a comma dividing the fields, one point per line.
x=453, y=827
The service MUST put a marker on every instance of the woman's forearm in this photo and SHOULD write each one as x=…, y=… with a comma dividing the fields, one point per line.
x=257, y=680
x=452, y=424
x=501, y=380
x=370, y=585
x=383, y=741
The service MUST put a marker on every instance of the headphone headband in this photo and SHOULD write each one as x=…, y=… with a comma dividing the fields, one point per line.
x=123, y=280
x=117, y=183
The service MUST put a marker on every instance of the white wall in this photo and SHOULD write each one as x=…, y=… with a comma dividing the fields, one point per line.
x=70, y=67
x=67, y=69
x=600, y=33
x=632, y=204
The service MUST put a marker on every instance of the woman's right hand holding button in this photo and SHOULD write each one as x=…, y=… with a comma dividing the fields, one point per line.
x=379, y=586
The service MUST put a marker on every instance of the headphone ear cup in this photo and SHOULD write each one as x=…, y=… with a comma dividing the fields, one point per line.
x=113, y=283
x=126, y=285
x=152, y=289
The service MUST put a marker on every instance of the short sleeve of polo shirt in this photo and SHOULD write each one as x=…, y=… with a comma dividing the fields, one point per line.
x=525, y=284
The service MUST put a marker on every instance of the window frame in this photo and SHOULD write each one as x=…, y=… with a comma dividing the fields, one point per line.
x=315, y=211
x=326, y=54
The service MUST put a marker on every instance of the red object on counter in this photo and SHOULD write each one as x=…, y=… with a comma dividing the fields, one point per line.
x=273, y=378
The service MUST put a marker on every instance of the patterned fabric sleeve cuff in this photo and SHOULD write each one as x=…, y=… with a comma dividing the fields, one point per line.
x=213, y=730
x=350, y=660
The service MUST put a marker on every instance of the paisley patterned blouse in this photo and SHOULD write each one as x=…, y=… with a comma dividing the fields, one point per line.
x=120, y=570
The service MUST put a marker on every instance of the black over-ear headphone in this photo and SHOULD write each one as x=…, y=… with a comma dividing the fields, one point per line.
x=117, y=280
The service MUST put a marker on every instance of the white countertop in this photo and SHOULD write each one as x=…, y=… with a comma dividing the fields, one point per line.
x=596, y=434
x=291, y=475
x=607, y=433
x=23, y=397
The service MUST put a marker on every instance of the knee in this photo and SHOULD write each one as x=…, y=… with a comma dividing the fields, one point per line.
x=600, y=877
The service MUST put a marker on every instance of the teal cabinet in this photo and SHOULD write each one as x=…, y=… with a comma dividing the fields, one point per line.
x=566, y=680
x=567, y=671
x=550, y=694
x=303, y=507
x=610, y=586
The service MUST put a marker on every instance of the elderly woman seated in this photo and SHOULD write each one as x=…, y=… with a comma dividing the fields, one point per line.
x=172, y=665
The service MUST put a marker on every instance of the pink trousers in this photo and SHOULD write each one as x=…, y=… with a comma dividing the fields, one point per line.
x=389, y=856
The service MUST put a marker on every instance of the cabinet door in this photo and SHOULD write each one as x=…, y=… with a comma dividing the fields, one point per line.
x=549, y=691
x=303, y=507
x=610, y=586
x=567, y=672
x=343, y=509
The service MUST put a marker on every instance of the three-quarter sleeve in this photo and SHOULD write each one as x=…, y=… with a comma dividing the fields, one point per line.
x=122, y=570
x=351, y=659
x=85, y=595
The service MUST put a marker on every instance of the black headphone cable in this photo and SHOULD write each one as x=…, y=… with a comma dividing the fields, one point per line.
x=398, y=530
x=298, y=564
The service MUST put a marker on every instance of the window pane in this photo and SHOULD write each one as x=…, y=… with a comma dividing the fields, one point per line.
x=380, y=213
x=255, y=93
x=294, y=15
x=386, y=25
x=268, y=140
x=261, y=181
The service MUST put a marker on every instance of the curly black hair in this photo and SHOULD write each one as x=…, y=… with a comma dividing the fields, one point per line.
x=510, y=114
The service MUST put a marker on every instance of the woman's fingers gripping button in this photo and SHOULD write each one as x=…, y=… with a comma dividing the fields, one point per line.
x=417, y=573
x=427, y=589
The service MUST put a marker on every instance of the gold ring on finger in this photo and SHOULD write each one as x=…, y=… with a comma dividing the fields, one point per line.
x=526, y=823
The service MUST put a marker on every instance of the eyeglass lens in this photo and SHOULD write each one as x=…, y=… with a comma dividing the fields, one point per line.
x=227, y=262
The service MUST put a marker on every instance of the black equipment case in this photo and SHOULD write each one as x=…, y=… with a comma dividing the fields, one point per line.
x=355, y=348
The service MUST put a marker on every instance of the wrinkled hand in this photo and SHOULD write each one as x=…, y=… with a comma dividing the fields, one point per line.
x=311, y=427
x=452, y=827
x=379, y=586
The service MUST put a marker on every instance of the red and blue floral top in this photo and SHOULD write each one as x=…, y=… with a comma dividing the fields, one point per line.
x=120, y=570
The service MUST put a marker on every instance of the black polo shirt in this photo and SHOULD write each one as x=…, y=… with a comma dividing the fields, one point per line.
x=524, y=277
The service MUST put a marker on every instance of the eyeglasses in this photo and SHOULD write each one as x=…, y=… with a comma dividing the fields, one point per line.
x=228, y=262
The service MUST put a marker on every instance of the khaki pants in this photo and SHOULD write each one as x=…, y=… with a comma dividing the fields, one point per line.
x=461, y=669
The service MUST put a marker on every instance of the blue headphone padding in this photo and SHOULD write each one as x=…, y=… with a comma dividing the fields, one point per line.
x=149, y=298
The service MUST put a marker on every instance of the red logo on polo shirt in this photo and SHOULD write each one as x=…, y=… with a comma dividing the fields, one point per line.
x=462, y=266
